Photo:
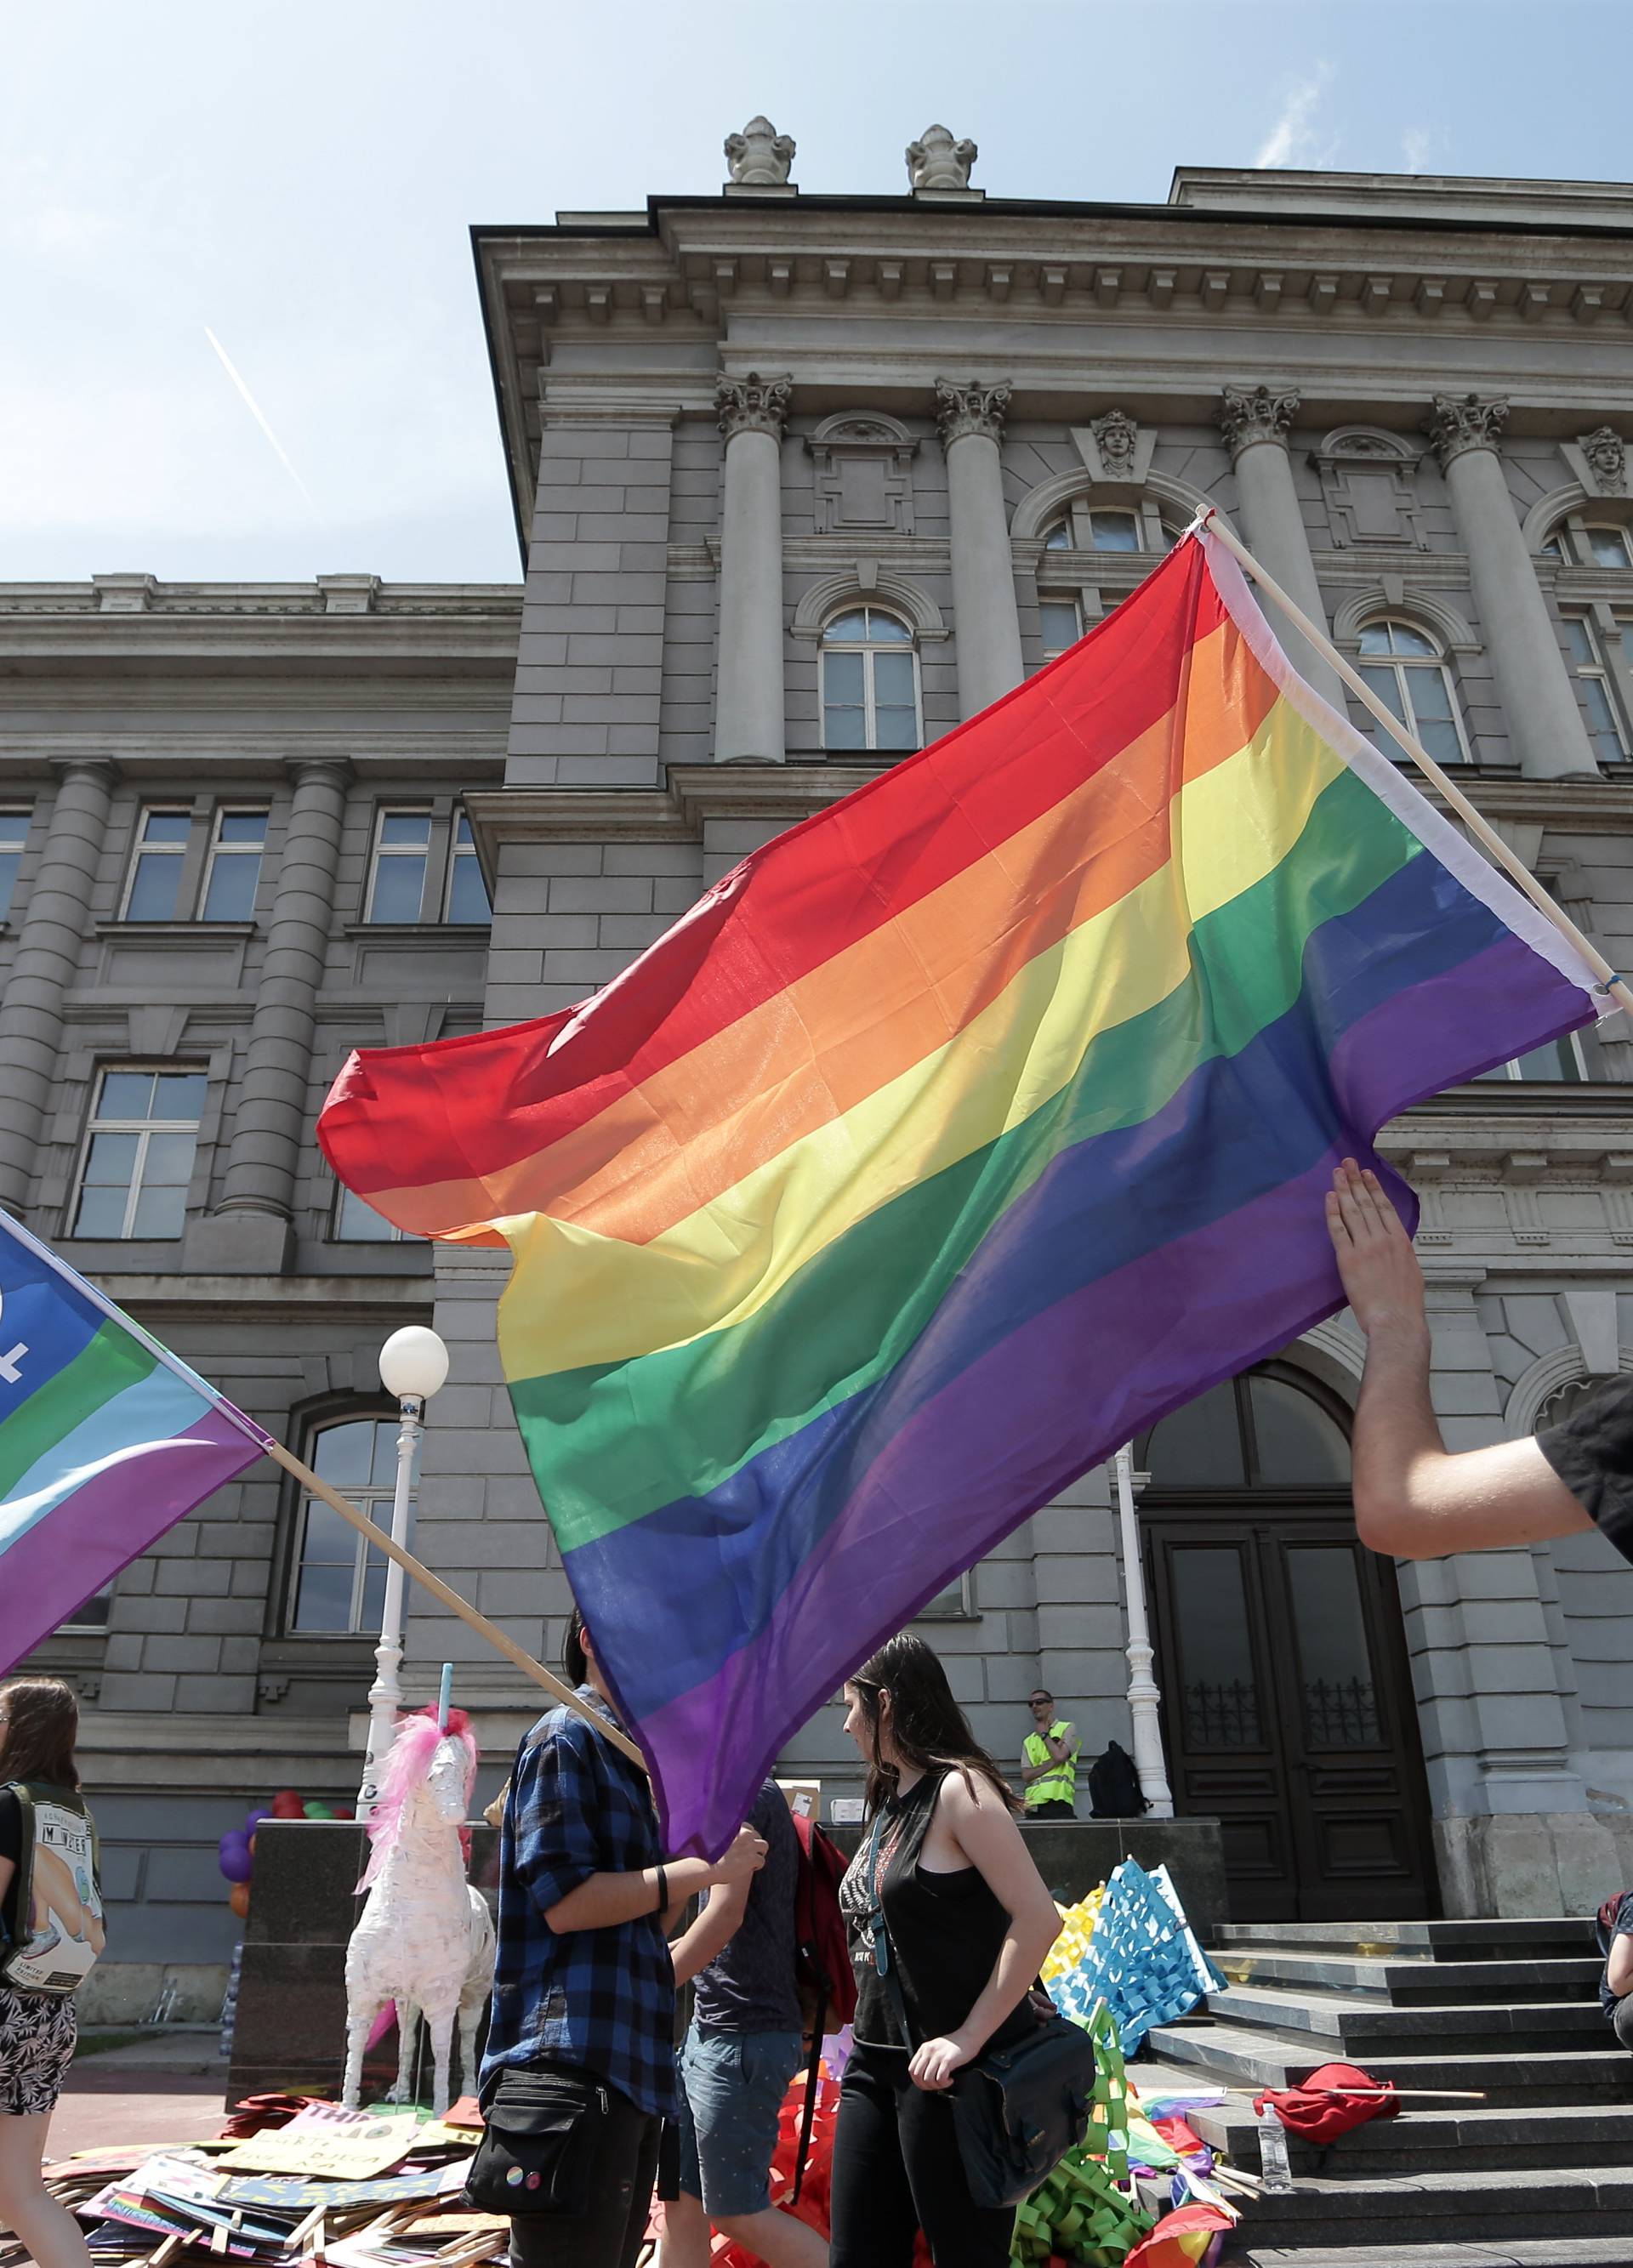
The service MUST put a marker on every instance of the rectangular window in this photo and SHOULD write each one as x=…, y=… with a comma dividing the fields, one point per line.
x=233, y=875
x=1061, y=625
x=13, y=842
x=356, y=1222
x=1593, y=686
x=340, y=1577
x=93, y=1615
x=468, y=893
x=1559, y=1059
x=957, y=1599
x=397, y=883
x=139, y=1151
x=155, y=882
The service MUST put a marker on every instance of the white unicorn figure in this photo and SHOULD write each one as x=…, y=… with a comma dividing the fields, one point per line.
x=425, y=1939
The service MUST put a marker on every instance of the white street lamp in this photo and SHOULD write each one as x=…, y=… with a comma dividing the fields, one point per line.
x=413, y=1364
x=1144, y=1693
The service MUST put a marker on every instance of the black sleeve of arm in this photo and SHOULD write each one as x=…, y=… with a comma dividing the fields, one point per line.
x=1591, y=1451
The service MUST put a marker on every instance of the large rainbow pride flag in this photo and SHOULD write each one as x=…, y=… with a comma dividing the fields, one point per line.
x=947, y=1142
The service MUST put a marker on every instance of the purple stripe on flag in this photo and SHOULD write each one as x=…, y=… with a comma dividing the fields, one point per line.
x=67, y=1558
x=1136, y=1343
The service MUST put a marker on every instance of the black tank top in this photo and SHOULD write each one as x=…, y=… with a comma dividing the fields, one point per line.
x=945, y=1932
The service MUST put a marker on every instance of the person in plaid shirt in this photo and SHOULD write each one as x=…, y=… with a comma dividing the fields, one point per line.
x=582, y=2031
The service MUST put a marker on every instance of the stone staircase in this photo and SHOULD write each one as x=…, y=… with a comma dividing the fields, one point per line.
x=1538, y=2175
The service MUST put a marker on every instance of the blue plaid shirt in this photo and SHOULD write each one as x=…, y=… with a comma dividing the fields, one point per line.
x=601, y=1998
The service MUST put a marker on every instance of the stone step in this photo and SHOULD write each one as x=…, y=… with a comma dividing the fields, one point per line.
x=1408, y=1983
x=1460, y=1940
x=1233, y=2055
x=1550, y=2252
x=1463, y=2137
x=1557, y=2206
x=1353, y=2030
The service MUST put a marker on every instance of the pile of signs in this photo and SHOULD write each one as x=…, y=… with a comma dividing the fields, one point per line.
x=325, y=2188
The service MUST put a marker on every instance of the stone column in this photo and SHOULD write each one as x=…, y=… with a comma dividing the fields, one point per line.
x=1254, y=423
x=748, y=705
x=1539, y=701
x=253, y=1227
x=986, y=623
x=47, y=955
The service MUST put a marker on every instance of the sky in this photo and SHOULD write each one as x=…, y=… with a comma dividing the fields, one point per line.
x=238, y=328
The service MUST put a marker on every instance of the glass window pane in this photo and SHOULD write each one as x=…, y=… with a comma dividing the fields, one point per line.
x=842, y=680
x=468, y=893
x=169, y=1159
x=1375, y=638
x=1556, y=1060
x=1298, y=1443
x=405, y=827
x=1384, y=683
x=13, y=829
x=1441, y=740
x=1598, y=708
x=896, y=728
x=111, y=1159
x=848, y=626
x=1200, y=1446
x=1405, y=640
x=399, y=889
x=342, y=1455
x=167, y=826
x=1059, y=538
x=1058, y=622
x=383, y=1455
x=1219, y=1692
x=1115, y=531
x=125, y=1094
x=179, y=1095
x=101, y=1211
x=844, y=728
x=358, y=1223
x=234, y=878
x=10, y=861
x=884, y=629
x=374, y=1607
x=154, y=886
x=1578, y=645
x=1431, y=695
x=1608, y=545
x=892, y=680
x=323, y=1598
x=242, y=826
x=461, y=828
x=1339, y=1695
x=159, y=1211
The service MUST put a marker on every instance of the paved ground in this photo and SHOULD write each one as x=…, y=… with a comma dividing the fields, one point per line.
x=160, y=2090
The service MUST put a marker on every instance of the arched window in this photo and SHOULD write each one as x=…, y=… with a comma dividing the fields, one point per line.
x=869, y=682
x=1266, y=1430
x=1405, y=667
x=337, y=1584
x=1097, y=530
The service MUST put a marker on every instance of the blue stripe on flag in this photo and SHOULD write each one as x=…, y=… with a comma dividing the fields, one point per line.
x=45, y=1322
x=146, y=1416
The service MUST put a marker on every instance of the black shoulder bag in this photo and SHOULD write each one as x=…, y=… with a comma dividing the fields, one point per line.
x=1017, y=2109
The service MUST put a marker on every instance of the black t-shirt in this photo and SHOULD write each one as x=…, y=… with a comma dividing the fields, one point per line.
x=1591, y=1451
x=12, y=1848
x=749, y=1985
x=1607, y=1999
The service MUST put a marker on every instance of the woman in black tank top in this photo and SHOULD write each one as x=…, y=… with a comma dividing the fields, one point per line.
x=944, y=1879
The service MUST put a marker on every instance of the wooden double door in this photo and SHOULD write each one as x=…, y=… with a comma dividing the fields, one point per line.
x=1288, y=1708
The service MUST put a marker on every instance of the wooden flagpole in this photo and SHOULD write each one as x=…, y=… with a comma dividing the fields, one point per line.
x=1487, y=835
x=553, y=1685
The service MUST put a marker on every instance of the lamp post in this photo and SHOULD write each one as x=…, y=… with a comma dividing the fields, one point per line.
x=1144, y=1693
x=413, y=1364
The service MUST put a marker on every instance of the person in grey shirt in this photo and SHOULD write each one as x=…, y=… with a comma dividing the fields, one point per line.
x=739, y=2056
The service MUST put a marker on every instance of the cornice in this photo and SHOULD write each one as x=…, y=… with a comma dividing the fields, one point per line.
x=692, y=794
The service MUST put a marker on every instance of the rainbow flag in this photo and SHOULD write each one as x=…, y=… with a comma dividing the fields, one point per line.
x=947, y=1142
x=105, y=1440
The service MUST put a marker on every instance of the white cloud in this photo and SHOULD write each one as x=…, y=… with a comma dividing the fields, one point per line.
x=1416, y=142
x=1294, y=140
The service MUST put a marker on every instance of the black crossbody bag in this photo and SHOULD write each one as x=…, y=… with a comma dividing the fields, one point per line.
x=1017, y=2109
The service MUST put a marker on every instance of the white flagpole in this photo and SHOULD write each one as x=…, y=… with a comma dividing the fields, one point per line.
x=1143, y=1692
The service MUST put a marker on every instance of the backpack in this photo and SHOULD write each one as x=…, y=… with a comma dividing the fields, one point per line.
x=1114, y=1791
x=822, y=1959
x=59, y=1905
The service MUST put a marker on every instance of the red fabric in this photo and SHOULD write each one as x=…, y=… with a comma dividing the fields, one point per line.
x=1178, y=2136
x=1321, y=2110
x=1181, y=2239
x=823, y=1945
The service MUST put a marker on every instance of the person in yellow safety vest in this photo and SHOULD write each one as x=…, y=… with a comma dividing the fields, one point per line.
x=1049, y=1763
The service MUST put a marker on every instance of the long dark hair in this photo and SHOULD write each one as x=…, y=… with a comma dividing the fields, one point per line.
x=928, y=1730
x=37, y=1739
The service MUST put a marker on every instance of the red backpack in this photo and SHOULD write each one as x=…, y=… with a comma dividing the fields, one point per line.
x=822, y=1959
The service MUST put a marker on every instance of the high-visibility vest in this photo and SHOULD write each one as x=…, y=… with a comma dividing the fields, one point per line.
x=1060, y=1784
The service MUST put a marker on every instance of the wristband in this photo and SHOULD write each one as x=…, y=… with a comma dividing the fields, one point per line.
x=663, y=1891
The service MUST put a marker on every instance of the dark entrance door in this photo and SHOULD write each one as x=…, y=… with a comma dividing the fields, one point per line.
x=1287, y=1697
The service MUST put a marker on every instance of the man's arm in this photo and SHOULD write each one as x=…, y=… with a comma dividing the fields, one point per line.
x=1618, y=1968
x=1414, y=1499
x=715, y=1929
x=602, y=1901
x=1067, y=1747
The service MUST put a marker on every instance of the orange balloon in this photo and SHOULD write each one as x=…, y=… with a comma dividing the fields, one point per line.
x=238, y=1898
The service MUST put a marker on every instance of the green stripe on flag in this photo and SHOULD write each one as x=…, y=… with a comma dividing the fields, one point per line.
x=107, y=1365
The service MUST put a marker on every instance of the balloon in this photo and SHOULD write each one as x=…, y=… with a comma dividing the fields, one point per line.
x=238, y=1898
x=346, y=1811
x=287, y=1805
x=233, y=1853
x=315, y=1808
x=262, y=1811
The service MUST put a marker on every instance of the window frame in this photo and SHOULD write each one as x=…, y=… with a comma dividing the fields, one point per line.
x=139, y=851
x=867, y=648
x=394, y=1234
x=380, y=850
x=460, y=818
x=1064, y=599
x=143, y=1129
x=1403, y=664
x=1511, y=1070
x=370, y=1497
x=25, y=812
x=1587, y=529
x=963, y=1611
x=1600, y=670
x=230, y=851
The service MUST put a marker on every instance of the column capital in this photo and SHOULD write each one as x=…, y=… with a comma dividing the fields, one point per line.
x=322, y=771
x=92, y=768
x=962, y=408
x=1249, y=415
x=752, y=404
x=1457, y=426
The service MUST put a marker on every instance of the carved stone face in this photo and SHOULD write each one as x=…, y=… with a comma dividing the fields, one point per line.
x=1606, y=453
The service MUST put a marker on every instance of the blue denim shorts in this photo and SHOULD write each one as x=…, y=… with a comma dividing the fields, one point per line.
x=732, y=2086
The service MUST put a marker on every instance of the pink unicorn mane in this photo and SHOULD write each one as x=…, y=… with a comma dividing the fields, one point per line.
x=407, y=1767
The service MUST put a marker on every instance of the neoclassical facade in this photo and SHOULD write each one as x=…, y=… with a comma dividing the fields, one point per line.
x=799, y=483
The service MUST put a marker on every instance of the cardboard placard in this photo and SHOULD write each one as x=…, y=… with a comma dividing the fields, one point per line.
x=346, y=2146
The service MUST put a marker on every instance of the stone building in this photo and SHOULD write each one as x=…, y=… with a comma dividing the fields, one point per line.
x=799, y=483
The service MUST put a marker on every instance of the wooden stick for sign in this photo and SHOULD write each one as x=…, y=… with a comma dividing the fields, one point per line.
x=1486, y=835
x=1402, y=2094
x=451, y=1599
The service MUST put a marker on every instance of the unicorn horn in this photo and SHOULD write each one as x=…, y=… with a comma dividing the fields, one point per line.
x=444, y=1696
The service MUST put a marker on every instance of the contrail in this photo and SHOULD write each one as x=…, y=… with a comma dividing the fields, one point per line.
x=254, y=408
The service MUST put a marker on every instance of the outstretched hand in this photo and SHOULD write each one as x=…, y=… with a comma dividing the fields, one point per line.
x=1381, y=1278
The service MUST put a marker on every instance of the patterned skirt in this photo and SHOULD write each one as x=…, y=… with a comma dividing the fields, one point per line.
x=37, y=2034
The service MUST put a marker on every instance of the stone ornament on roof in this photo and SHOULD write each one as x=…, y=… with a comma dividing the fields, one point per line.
x=962, y=408
x=1471, y=424
x=1249, y=416
x=935, y=161
x=1606, y=456
x=752, y=405
x=759, y=157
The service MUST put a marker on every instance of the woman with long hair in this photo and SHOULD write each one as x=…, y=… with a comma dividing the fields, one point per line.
x=39, y=1726
x=943, y=1891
